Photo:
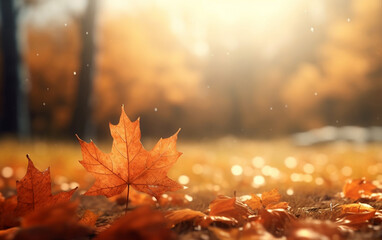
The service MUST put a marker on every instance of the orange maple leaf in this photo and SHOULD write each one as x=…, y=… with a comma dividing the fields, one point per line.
x=34, y=191
x=129, y=164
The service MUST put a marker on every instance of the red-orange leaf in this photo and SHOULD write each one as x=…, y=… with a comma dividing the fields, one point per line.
x=231, y=208
x=129, y=164
x=141, y=223
x=359, y=188
x=34, y=191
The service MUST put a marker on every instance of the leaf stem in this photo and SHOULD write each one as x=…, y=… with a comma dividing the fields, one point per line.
x=127, y=197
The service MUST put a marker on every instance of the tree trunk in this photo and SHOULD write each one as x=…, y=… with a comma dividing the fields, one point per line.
x=81, y=122
x=15, y=115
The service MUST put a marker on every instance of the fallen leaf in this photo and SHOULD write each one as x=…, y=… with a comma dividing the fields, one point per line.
x=358, y=215
x=8, y=217
x=58, y=221
x=8, y=234
x=183, y=215
x=141, y=223
x=34, y=191
x=275, y=221
x=231, y=208
x=89, y=218
x=129, y=164
x=361, y=188
x=356, y=208
x=197, y=218
x=269, y=200
x=270, y=197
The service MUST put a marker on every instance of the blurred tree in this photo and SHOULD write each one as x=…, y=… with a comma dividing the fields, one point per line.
x=15, y=116
x=81, y=123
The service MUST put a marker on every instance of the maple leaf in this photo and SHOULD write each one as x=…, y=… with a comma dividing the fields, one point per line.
x=34, y=191
x=129, y=164
x=361, y=188
x=268, y=200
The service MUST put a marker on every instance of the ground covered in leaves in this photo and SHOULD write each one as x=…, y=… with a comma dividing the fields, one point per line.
x=235, y=189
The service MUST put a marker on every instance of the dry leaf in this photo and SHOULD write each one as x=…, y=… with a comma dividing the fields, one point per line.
x=89, y=218
x=183, y=215
x=361, y=188
x=231, y=208
x=129, y=164
x=358, y=215
x=275, y=221
x=9, y=233
x=34, y=191
x=54, y=222
x=356, y=208
x=269, y=200
x=141, y=223
x=8, y=217
x=198, y=218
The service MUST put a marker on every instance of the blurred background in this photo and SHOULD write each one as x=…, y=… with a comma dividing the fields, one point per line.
x=248, y=68
x=248, y=81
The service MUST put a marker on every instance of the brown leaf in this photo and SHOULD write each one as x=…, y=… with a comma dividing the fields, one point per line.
x=8, y=217
x=360, y=188
x=34, y=191
x=254, y=202
x=198, y=218
x=129, y=164
x=231, y=208
x=89, y=218
x=183, y=215
x=275, y=221
x=269, y=200
x=52, y=222
x=358, y=215
x=356, y=208
x=9, y=233
x=270, y=197
x=141, y=223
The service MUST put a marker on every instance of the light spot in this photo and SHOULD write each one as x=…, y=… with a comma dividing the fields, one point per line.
x=7, y=172
x=44, y=104
x=258, y=181
x=307, y=178
x=308, y=168
x=155, y=109
x=319, y=180
x=312, y=29
x=315, y=94
x=348, y=19
x=289, y=191
x=197, y=169
x=346, y=171
x=236, y=170
x=73, y=185
x=258, y=162
x=271, y=108
x=290, y=162
x=188, y=198
x=65, y=24
x=74, y=73
x=65, y=187
x=183, y=179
